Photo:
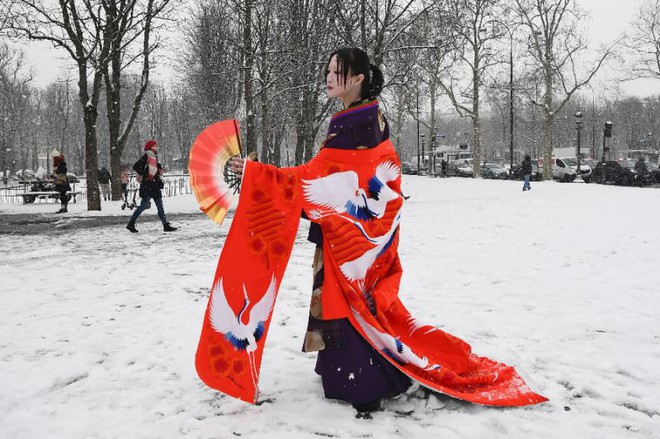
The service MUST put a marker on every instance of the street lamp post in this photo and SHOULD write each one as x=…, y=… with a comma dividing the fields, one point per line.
x=422, y=136
x=578, y=126
x=511, y=100
x=418, y=132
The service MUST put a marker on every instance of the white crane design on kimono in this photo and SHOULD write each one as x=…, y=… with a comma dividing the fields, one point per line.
x=341, y=193
x=357, y=268
x=243, y=336
x=393, y=347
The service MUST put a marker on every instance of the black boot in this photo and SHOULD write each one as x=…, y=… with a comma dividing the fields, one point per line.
x=62, y=210
x=365, y=410
x=131, y=227
x=168, y=227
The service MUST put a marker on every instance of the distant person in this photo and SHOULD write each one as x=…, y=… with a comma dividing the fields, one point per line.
x=104, y=181
x=150, y=171
x=124, y=176
x=641, y=170
x=443, y=167
x=61, y=180
x=527, y=172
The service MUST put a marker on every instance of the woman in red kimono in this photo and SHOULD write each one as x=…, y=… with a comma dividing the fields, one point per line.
x=350, y=368
x=369, y=345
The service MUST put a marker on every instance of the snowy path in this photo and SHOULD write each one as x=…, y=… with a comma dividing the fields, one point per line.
x=98, y=327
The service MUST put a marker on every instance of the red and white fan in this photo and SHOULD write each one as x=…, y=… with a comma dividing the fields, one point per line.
x=211, y=181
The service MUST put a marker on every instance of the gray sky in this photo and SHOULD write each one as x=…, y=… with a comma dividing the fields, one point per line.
x=609, y=19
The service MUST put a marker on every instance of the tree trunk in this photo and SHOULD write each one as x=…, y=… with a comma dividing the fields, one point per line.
x=547, y=146
x=91, y=158
x=265, y=130
x=432, y=129
x=476, y=128
x=547, y=128
x=250, y=118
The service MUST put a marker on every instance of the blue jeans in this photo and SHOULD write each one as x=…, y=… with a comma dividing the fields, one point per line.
x=144, y=205
x=526, y=185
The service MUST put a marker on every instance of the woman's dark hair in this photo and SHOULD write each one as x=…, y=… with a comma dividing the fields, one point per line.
x=358, y=62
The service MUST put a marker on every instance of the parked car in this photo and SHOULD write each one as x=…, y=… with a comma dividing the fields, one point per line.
x=651, y=176
x=562, y=171
x=585, y=169
x=591, y=162
x=452, y=169
x=494, y=171
x=612, y=172
x=464, y=168
x=654, y=172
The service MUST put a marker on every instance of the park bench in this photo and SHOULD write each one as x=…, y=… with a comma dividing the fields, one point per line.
x=30, y=197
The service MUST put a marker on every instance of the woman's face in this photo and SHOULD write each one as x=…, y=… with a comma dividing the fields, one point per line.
x=334, y=81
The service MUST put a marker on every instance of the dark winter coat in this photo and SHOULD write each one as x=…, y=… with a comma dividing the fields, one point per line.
x=640, y=168
x=61, y=179
x=527, y=166
x=149, y=188
x=104, y=176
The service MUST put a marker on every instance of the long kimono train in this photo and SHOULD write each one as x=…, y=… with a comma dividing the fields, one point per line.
x=355, y=196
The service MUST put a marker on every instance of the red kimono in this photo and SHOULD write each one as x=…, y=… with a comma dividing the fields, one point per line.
x=355, y=196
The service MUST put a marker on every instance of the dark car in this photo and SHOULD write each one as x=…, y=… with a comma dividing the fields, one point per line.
x=537, y=173
x=654, y=172
x=452, y=169
x=612, y=172
x=408, y=168
x=647, y=178
x=494, y=171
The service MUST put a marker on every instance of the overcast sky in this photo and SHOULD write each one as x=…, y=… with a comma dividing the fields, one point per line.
x=609, y=18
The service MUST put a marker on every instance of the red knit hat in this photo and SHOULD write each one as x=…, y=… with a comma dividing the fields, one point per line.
x=150, y=144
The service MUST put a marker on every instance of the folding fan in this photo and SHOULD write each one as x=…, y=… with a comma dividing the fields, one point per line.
x=211, y=180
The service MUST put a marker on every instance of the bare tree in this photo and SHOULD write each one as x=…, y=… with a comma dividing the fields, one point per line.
x=558, y=50
x=127, y=22
x=181, y=121
x=211, y=60
x=58, y=102
x=475, y=26
x=14, y=104
x=380, y=25
x=76, y=28
x=644, y=41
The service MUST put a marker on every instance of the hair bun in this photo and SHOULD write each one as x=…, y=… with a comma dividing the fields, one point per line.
x=376, y=81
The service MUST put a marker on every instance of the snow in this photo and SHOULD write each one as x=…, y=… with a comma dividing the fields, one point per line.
x=98, y=326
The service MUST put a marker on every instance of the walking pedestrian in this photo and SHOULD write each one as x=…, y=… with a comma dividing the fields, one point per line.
x=527, y=172
x=124, y=175
x=104, y=182
x=641, y=171
x=151, y=184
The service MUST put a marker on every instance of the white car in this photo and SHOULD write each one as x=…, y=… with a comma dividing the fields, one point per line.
x=585, y=169
x=562, y=171
x=464, y=168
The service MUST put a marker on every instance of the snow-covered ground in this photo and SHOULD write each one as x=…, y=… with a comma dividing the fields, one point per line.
x=98, y=326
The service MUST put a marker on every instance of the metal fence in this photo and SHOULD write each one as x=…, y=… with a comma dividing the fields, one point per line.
x=174, y=185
